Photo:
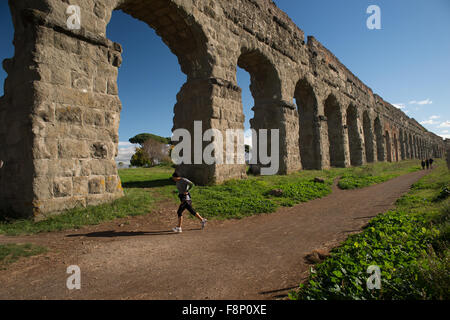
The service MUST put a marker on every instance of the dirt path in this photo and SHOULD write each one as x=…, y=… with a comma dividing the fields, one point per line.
x=260, y=257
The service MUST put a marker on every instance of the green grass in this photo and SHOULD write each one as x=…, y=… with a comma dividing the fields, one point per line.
x=145, y=187
x=240, y=198
x=410, y=245
x=368, y=175
x=10, y=253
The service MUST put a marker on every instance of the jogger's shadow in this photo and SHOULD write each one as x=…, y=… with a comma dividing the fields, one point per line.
x=114, y=234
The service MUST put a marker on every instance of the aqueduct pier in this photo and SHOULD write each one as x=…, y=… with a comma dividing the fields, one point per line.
x=59, y=116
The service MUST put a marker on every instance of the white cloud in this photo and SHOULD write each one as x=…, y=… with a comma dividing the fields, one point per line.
x=445, y=131
x=125, y=144
x=399, y=105
x=421, y=103
x=126, y=151
x=429, y=122
x=445, y=136
x=445, y=124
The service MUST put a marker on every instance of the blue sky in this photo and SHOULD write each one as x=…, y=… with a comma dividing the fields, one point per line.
x=407, y=62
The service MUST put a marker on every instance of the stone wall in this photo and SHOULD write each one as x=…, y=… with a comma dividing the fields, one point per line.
x=447, y=145
x=60, y=114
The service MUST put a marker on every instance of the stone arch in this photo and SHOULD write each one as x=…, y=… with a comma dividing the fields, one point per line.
x=73, y=99
x=265, y=87
x=309, y=136
x=406, y=143
x=396, y=155
x=354, y=137
x=368, y=137
x=402, y=144
x=416, y=149
x=387, y=138
x=419, y=151
x=265, y=81
x=187, y=40
x=411, y=146
x=422, y=147
x=178, y=30
x=335, y=129
x=381, y=154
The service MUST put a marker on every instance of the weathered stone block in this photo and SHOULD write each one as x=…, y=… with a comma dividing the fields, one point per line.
x=73, y=149
x=112, y=88
x=42, y=189
x=69, y=114
x=93, y=118
x=97, y=185
x=66, y=43
x=80, y=186
x=62, y=187
x=45, y=149
x=100, y=85
x=113, y=184
x=80, y=82
x=99, y=150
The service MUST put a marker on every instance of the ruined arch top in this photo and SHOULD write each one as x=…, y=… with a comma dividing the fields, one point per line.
x=60, y=113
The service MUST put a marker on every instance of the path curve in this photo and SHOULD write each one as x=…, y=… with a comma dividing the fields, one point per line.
x=260, y=257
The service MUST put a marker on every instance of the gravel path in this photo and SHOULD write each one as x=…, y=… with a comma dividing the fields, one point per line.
x=260, y=257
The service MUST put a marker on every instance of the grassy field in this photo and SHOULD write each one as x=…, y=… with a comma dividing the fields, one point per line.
x=410, y=245
x=146, y=189
x=365, y=176
x=10, y=253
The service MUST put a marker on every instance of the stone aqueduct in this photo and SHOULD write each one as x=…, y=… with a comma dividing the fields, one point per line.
x=60, y=114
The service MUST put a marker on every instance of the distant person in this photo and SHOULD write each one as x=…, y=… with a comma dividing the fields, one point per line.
x=427, y=164
x=183, y=186
x=423, y=164
x=431, y=163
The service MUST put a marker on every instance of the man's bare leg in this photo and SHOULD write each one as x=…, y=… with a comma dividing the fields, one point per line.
x=180, y=219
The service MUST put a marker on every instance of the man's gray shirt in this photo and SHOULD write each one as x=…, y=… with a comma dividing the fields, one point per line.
x=183, y=186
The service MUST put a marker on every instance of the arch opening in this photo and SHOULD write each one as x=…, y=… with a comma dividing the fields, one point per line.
x=354, y=138
x=148, y=81
x=402, y=145
x=265, y=88
x=309, y=138
x=387, y=138
x=368, y=137
x=380, y=140
x=335, y=131
x=396, y=159
x=411, y=147
x=178, y=31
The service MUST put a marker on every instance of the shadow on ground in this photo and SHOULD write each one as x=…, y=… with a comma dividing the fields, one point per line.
x=115, y=234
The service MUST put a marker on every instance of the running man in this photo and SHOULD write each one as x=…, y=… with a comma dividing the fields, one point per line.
x=183, y=186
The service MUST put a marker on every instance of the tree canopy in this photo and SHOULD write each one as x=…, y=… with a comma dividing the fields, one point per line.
x=141, y=138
